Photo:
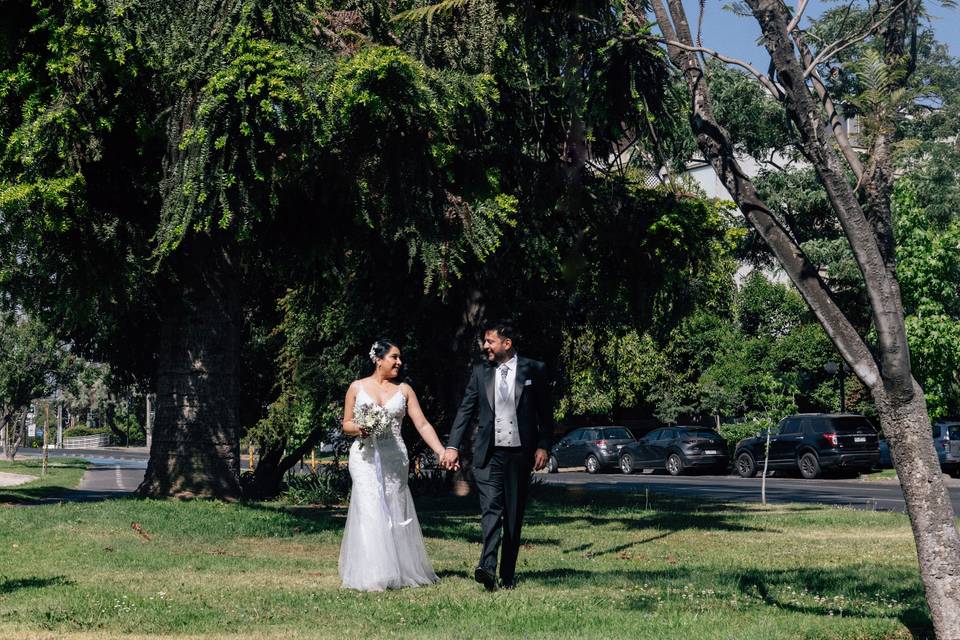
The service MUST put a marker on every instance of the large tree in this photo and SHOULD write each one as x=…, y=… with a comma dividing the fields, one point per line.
x=31, y=358
x=859, y=189
x=166, y=172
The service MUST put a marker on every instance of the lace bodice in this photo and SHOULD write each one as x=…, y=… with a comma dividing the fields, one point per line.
x=395, y=409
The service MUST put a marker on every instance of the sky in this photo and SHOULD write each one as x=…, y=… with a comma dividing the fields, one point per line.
x=737, y=36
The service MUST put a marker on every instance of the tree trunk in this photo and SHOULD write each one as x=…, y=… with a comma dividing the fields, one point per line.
x=195, y=450
x=269, y=471
x=932, y=517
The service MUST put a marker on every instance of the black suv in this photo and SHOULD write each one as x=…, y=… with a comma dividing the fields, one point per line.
x=812, y=443
x=596, y=448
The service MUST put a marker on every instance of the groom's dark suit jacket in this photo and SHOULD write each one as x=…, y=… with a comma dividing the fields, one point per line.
x=534, y=409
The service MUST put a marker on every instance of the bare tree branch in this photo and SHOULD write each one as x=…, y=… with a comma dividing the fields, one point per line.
x=836, y=124
x=756, y=73
x=836, y=47
x=801, y=7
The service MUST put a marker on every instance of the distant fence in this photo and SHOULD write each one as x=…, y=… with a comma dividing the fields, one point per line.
x=87, y=442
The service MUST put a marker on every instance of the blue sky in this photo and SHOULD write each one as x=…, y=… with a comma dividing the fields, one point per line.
x=737, y=36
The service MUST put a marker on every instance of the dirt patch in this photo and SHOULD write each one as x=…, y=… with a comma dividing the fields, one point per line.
x=13, y=479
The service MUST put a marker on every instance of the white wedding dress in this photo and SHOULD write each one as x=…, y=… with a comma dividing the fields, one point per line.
x=382, y=545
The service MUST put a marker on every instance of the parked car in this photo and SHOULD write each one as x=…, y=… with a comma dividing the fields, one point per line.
x=811, y=443
x=946, y=441
x=676, y=449
x=596, y=448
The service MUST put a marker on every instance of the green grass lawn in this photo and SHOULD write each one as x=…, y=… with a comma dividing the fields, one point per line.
x=63, y=474
x=592, y=567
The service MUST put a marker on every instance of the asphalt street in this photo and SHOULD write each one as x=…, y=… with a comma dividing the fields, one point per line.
x=117, y=471
x=862, y=493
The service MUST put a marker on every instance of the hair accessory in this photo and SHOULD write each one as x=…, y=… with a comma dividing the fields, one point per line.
x=373, y=353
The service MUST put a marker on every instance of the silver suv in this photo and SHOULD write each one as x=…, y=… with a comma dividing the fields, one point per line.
x=946, y=441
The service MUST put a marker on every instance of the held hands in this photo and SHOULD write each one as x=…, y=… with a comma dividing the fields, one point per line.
x=450, y=460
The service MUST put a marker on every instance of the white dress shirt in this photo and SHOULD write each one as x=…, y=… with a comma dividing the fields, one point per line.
x=506, y=431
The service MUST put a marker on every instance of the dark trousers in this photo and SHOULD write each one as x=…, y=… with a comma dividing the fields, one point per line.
x=503, y=485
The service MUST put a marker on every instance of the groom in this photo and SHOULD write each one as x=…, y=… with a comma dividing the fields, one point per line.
x=515, y=424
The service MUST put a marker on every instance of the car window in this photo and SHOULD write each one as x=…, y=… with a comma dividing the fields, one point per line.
x=851, y=424
x=591, y=434
x=617, y=434
x=949, y=430
x=574, y=436
x=791, y=425
x=699, y=433
x=666, y=434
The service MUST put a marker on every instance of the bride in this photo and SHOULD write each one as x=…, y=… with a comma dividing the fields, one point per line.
x=382, y=545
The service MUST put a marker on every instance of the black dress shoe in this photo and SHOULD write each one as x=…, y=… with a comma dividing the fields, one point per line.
x=486, y=578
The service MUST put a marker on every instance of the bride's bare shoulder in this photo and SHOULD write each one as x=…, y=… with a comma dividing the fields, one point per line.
x=356, y=385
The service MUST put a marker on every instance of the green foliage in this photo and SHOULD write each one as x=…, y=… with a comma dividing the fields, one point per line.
x=31, y=358
x=77, y=432
x=881, y=98
x=928, y=269
x=735, y=432
x=330, y=485
x=251, y=118
x=755, y=120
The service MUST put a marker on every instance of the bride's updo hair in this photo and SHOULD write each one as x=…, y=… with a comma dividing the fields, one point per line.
x=379, y=350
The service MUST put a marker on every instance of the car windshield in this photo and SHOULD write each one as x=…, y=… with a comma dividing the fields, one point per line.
x=699, y=433
x=851, y=424
x=617, y=434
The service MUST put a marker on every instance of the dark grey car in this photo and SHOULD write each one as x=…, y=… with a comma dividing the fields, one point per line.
x=677, y=449
x=595, y=448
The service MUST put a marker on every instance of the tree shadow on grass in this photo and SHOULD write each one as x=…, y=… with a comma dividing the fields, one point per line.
x=893, y=594
x=19, y=584
x=900, y=587
x=619, y=511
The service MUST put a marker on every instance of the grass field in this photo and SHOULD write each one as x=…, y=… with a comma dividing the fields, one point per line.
x=592, y=567
x=63, y=474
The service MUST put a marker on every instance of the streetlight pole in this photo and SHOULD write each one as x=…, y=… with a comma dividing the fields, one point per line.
x=838, y=369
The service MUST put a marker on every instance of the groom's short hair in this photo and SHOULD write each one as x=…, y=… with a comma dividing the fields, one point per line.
x=505, y=328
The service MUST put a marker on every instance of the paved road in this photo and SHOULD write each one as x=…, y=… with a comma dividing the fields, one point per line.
x=117, y=471
x=113, y=472
x=862, y=494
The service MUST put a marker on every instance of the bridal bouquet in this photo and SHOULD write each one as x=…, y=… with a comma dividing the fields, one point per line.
x=373, y=419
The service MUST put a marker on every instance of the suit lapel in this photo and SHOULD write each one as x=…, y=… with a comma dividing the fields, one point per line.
x=519, y=383
x=488, y=383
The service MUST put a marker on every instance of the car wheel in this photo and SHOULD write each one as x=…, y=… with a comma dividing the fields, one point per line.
x=552, y=464
x=746, y=465
x=809, y=466
x=626, y=463
x=674, y=464
x=592, y=464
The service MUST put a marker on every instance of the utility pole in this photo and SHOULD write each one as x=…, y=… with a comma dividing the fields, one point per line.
x=149, y=421
x=46, y=430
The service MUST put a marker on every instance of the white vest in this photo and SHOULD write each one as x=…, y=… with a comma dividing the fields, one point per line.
x=506, y=431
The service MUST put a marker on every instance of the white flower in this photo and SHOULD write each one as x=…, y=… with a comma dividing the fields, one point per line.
x=373, y=353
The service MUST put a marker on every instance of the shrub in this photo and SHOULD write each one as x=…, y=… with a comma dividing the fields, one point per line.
x=328, y=486
x=77, y=432
x=734, y=433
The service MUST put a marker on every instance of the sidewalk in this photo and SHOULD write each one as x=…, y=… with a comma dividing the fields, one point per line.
x=13, y=479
